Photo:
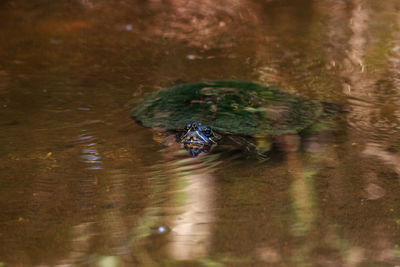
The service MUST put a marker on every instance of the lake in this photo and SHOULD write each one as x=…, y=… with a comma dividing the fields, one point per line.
x=84, y=184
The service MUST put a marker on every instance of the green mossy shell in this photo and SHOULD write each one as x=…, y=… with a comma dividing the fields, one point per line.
x=235, y=107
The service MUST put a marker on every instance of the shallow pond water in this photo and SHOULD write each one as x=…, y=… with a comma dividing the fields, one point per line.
x=83, y=184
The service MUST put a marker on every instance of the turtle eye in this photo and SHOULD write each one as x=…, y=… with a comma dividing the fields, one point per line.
x=208, y=131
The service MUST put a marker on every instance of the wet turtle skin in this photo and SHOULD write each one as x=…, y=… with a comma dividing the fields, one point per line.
x=229, y=107
x=198, y=138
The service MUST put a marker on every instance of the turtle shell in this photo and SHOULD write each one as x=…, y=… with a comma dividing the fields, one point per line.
x=234, y=107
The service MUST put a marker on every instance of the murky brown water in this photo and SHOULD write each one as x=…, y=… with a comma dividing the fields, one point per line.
x=82, y=183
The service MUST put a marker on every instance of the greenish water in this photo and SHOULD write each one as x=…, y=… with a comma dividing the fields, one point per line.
x=82, y=184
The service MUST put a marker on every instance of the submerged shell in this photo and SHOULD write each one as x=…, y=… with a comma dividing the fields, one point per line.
x=235, y=107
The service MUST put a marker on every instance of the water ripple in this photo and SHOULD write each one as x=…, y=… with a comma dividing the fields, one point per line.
x=89, y=154
x=184, y=188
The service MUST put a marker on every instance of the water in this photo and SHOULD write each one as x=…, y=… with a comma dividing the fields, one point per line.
x=81, y=183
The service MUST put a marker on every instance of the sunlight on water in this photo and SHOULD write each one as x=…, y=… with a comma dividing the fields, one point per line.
x=90, y=156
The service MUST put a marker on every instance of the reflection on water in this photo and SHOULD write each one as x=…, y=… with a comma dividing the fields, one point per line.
x=89, y=154
x=84, y=184
x=191, y=212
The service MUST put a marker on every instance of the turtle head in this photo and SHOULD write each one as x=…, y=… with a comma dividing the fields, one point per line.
x=197, y=138
x=187, y=127
x=192, y=126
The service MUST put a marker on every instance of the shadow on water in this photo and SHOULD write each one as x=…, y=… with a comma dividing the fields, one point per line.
x=83, y=184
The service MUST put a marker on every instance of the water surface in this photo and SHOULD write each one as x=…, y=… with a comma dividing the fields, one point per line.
x=83, y=184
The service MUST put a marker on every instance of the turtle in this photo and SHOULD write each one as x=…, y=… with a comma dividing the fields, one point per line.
x=203, y=112
x=198, y=138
